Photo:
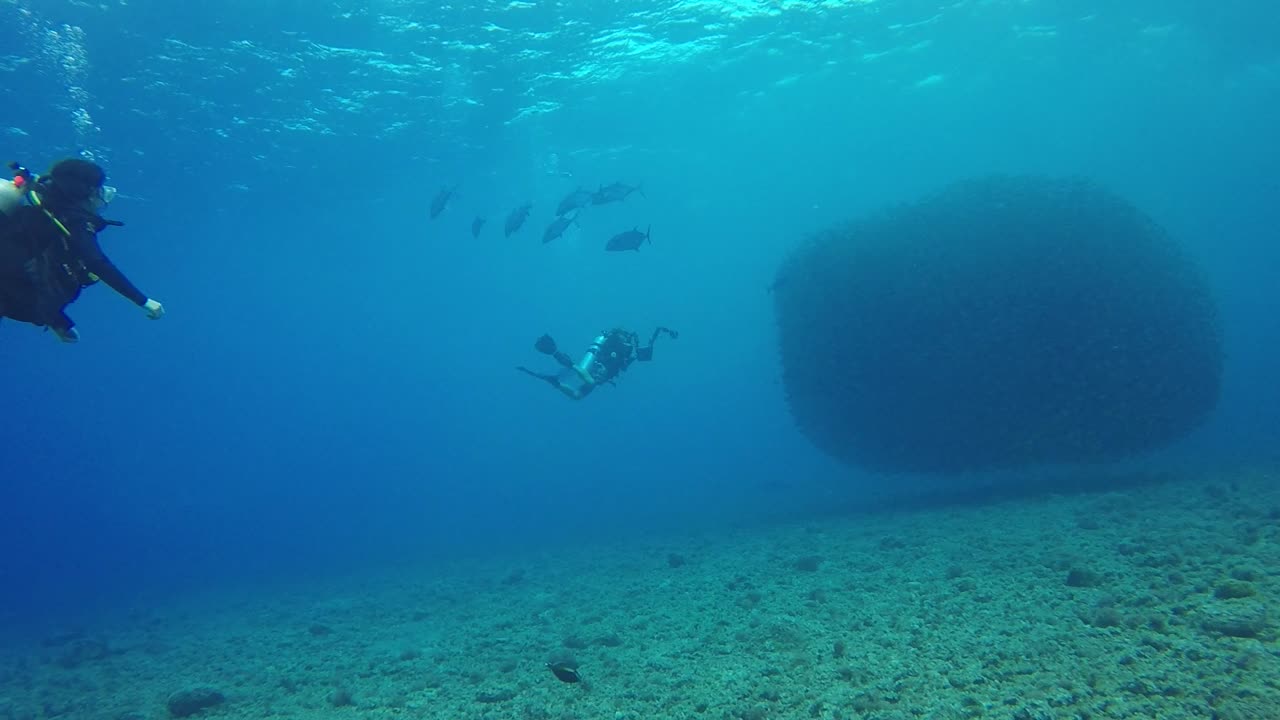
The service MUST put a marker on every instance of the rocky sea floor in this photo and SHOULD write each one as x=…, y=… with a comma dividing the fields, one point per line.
x=1159, y=601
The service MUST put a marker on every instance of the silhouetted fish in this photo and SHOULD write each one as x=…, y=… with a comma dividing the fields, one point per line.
x=564, y=672
x=616, y=192
x=476, y=225
x=557, y=228
x=574, y=200
x=629, y=240
x=441, y=201
x=516, y=219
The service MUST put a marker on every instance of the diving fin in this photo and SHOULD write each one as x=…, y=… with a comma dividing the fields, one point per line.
x=545, y=345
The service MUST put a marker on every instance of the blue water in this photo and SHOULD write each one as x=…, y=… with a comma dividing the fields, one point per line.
x=333, y=386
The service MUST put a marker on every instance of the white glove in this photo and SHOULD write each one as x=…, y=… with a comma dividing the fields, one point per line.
x=154, y=309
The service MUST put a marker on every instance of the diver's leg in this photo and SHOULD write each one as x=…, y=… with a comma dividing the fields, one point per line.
x=64, y=328
x=547, y=346
x=553, y=380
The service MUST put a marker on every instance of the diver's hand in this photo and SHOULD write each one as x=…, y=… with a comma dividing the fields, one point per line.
x=154, y=309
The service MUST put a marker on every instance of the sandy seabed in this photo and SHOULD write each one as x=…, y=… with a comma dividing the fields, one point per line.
x=1159, y=601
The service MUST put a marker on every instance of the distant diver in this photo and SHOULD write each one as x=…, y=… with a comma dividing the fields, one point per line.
x=49, y=249
x=610, y=353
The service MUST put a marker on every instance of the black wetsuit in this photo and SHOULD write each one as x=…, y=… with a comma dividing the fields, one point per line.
x=43, y=269
x=616, y=354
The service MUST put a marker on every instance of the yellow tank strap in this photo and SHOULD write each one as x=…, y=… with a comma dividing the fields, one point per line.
x=35, y=198
x=58, y=222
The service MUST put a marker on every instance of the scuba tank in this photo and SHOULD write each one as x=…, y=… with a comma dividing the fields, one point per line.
x=13, y=193
x=584, y=365
x=11, y=198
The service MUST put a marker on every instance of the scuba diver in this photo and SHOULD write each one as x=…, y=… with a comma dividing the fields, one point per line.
x=609, y=354
x=49, y=249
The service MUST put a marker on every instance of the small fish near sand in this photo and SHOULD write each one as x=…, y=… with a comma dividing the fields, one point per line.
x=441, y=201
x=564, y=672
x=629, y=240
x=516, y=219
x=476, y=225
x=557, y=228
